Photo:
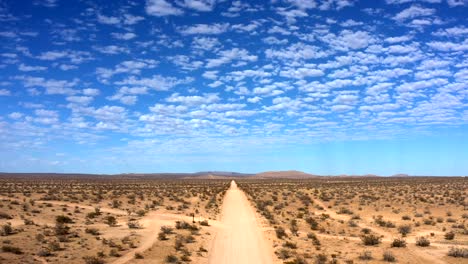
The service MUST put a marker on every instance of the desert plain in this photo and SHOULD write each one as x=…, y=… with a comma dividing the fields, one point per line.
x=216, y=218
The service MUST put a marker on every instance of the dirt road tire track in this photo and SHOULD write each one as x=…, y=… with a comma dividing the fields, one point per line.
x=240, y=240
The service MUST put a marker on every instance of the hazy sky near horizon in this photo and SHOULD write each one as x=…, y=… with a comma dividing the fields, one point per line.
x=323, y=86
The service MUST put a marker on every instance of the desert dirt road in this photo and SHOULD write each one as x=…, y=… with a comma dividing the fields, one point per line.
x=240, y=239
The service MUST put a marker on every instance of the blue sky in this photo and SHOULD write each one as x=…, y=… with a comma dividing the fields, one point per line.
x=323, y=86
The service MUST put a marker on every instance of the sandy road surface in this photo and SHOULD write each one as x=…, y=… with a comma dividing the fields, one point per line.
x=241, y=239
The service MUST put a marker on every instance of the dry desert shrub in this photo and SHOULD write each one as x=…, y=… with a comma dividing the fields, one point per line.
x=6, y=230
x=404, y=230
x=449, y=235
x=398, y=242
x=280, y=232
x=93, y=260
x=389, y=257
x=370, y=240
x=366, y=255
x=12, y=249
x=458, y=252
x=133, y=224
x=4, y=215
x=422, y=242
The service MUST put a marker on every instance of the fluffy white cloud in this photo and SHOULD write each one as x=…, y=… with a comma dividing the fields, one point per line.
x=74, y=57
x=84, y=100
x=348, y=99
x=200, y=5
x=300, y=73
x=156, y=82
x=398, y=39
x=131, y=66
x=205, y=43
x=193, y=100
x=108, y=20
x=5, y=92
x=91, y=92
x=455, y=3
x=413, y=12
x=448, y=45
x=226, y=56
x=124, y=36
x=205, y=29
x=26, y=68
x=412, y=86
x=410, y=1
x=161, y=8
x=112, y=49
x=16, y=115
x=51, y=86
x=297, y=51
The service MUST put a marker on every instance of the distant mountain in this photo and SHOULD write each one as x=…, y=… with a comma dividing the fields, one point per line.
x=291, y=174
x=222, y=173
x=400, y=175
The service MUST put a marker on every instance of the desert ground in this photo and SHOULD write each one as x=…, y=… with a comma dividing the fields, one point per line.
x=264, y=218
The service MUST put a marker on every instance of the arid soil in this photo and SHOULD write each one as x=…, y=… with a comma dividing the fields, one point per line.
x=59, y=220
x=368, y=220
x=296, y=221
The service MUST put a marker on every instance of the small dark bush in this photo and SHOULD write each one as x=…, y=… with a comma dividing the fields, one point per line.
x=162, y=236
x=6, y=230
x=370, y=240
x=366, y=255
x=449, y=235
x=280, y=232
x=172, y=259
x=133, y=224
x=179, y=242
x=92, y=231
x=12, y=249
x=399, y=242
x=388, y=256
x=404, y=229
x=167, y=230
x=63, y=219
x=4, y=215
x=289, y=244
x=422, y=242
x=283, y=253
x=93, y=260
x=458, y=252
x=110, y=220
x=44, y=253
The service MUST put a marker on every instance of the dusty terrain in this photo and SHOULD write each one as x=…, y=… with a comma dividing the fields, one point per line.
x=141, y=219
x=362, y=220
x=84, y=220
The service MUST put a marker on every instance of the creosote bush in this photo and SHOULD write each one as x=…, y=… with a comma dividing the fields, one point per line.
x=389, y=257
x=370, y=239
x=366, y=255
x=280, y=232
x=404, y=229
x=458, y=252
x=398, y=242
x=422, y=242
x=449, y=235
x=12, y=249
x=93, y=260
